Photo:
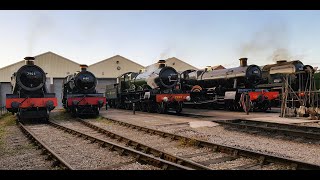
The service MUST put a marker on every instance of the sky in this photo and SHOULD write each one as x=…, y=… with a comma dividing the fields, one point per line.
x=200, y=38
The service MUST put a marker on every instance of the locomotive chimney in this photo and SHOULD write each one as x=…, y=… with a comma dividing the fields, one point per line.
x=281, y=61
x=243, y=62
x=83, y=67
x=162, y=63
x=29, y=60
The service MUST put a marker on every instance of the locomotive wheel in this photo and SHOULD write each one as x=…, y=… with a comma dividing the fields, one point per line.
x=179, y=108
x=150, y=107
x=160, y=108
x=143, y=107
x=229, y=106
x=73, y=113
x=96, y=112
x=237, y=107
x=128, y=106
x=138, y=106
x=114, y=104
x=118, y=106
x=266, y=106
x=19, y=117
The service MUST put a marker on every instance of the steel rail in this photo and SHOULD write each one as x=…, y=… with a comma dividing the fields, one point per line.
x=122, y=150
x=261, y=157
x=147, y=149
x=294, y=130
x=58, y=161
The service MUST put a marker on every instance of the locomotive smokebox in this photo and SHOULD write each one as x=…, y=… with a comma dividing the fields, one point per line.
x=83, y=67
x=281, y=61
x=243, y=62
x=29, y=60
x=162, y=63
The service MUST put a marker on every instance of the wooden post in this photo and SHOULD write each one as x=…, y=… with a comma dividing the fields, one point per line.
x=284, y=97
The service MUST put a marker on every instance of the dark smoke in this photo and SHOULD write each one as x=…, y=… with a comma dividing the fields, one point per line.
x=41, y=24
x=285, y=54
x=270, y=39
x=165, y=54
x=280, y=54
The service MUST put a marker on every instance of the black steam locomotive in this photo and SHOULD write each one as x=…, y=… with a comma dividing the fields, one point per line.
x=30, y=98
x=298, y=76
x=227, y=88
x=151, y=91
x=79, y=93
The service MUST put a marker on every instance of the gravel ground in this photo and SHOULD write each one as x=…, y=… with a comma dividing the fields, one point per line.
x=176, y=148
x=310, y=124
x=274, y=167
x=206, y=157
x=79, y=153
x=232, y=164
x=136, y=166
x=17, y=153
x=173, y=147
x=283, y=148
x=217, y=134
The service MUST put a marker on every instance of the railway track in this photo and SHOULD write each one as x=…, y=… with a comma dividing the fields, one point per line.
x=306, y=132
x=51, y=155
x=230, y=154
x=52, y=130
x=143, y=147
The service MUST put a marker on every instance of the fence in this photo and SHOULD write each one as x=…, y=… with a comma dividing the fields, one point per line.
x=3, y=110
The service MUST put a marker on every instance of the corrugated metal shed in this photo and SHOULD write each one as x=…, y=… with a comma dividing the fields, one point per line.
x=174, y=62
x=114, y=67
x=218, y=67
x=53, y=64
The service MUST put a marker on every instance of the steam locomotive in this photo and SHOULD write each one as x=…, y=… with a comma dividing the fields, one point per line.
x=30, y=98
x=228, y=88
x=79, y=93
x=297, y=75
x=150, y=91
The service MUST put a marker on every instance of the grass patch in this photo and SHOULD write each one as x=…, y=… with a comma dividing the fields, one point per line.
x=60, y=115
x=185, y=142
x=100, y=118
x=103, y=120
x=6, y=120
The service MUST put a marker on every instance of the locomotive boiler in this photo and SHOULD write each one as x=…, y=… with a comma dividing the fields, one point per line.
x=79, y=93
x=162, y=78
x=153, y=90
x=226, y=87
x=30, y=98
